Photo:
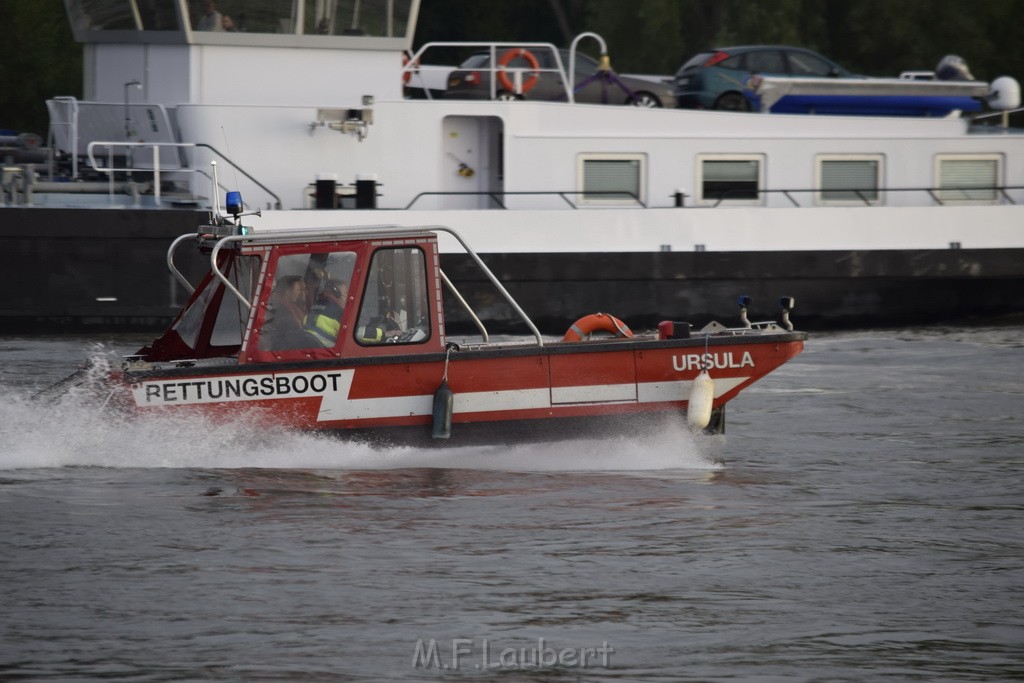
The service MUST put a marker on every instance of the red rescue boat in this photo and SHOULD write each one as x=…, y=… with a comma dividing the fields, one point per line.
x=345, y=330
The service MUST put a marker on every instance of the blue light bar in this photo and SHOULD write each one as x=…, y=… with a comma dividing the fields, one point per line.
x=233, y=203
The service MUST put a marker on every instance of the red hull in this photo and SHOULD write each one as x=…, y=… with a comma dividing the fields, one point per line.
x=509, y=383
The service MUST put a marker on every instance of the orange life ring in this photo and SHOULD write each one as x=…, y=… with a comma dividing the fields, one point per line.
x=594, y=322
x=507, y=58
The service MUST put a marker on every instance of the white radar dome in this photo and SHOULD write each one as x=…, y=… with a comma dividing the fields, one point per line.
x=1005, y=93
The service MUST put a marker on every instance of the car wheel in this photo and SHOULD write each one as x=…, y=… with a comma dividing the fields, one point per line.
x=645, y=99
x=732, y=101
x=506, y=96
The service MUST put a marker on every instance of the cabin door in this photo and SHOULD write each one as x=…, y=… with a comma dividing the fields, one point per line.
x=473, y=162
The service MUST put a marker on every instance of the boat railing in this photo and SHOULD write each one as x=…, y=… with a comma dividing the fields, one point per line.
x=496, y=196
x=156, y=166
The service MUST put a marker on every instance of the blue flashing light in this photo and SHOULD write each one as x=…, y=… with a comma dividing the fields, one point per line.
x=233, y=203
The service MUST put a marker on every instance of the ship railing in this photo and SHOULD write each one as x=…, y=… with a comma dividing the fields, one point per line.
x=551, y=60
x=942, y=196
x=496, y=196
x=975, y=194
x=116, y=150
x=74, y=123
x=1004, y=121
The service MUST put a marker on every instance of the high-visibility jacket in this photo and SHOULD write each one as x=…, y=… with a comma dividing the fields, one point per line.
x=324, y=320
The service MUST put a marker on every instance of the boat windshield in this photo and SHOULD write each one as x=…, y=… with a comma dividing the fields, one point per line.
x=394, y=307
x=307, y=304
x=211, y=325
x=231, y=314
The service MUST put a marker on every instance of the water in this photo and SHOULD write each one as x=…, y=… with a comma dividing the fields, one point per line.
x=862, y=520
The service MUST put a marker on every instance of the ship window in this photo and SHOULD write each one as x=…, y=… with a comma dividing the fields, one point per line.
x=849, y=179
x=730, y=178
x=308, y=301
x=357, y=17
x=249, y=21
x=612, y=178
x=968, y=177
x=122, y=15
x=269, y=16
x=382, y=18
x=395, y=307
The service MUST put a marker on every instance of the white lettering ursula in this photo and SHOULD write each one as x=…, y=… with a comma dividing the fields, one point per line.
x=722, y=361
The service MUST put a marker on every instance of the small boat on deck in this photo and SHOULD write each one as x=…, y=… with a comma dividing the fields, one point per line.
x=345, y=330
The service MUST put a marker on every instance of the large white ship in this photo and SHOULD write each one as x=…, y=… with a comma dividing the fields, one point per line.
x=322, y=114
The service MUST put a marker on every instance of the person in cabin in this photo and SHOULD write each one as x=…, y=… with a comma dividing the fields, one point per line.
x=228, y=24
x=286, y=315
x=211, y=19
x=288, y=303
x=324, y=319
x=378, y=329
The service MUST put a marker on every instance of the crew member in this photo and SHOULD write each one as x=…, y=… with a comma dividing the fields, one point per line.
x=289, y=302
x=211, y=19
x=379, y=330
x=324, y=319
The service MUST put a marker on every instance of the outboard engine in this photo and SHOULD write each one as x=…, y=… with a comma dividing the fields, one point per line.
x=953, y=68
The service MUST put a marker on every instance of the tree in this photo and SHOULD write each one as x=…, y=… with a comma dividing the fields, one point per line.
x=38, y=59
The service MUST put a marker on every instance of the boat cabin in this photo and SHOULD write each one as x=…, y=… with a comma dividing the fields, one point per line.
x=321, y=295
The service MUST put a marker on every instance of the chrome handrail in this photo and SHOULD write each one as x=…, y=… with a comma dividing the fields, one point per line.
x=465, y=305
x=110, y=169
x=170, y=260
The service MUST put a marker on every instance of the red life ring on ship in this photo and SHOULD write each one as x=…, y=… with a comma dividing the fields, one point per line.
x=507, y=58
x=594, y=322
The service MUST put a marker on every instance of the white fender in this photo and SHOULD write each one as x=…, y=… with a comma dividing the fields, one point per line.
x=702, y=395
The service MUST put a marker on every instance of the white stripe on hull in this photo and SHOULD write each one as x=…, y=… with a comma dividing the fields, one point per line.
x=334, y=388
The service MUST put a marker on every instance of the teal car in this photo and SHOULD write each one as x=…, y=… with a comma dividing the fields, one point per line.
x=716, y=79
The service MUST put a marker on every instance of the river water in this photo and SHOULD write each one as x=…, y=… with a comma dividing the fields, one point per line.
x=863, y=519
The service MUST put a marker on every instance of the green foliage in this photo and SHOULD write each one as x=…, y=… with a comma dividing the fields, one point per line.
x=38, y=59
x=873, y=37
